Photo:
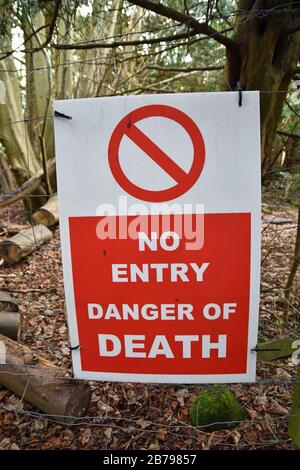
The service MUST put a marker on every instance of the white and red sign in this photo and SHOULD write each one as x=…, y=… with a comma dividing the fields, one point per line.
x=160, y=226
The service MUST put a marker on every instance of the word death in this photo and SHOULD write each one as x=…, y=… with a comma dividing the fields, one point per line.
x=134, y=346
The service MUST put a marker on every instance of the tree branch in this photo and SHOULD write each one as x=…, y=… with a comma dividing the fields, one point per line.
x=292, y=109
x=138, y=42
x=288, y=134
x=48, y=38
x=292, y=29
x=185, y=70
x=51, y=29
x=189, y=21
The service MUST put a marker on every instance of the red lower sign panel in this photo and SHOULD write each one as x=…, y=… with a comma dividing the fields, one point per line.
x=161, y=301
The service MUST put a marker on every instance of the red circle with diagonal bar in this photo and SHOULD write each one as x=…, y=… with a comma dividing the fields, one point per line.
x=185, y=180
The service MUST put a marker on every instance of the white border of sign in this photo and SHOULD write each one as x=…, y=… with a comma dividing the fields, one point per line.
x=65, y=133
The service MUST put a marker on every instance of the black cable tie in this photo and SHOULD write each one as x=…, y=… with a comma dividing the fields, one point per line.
x=256, y=349
x=61, y=115
x=74, y=348
x=240, y=90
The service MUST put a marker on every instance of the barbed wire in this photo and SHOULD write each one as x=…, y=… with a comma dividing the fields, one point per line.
x=263, y=12
x=251, y=15
x=178, y=429
x=51, y=116
x=81, y=420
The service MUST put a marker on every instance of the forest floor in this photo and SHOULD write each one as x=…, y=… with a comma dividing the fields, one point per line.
x=141, y=416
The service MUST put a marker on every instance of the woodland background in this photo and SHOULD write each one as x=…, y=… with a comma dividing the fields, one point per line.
x=75, y=49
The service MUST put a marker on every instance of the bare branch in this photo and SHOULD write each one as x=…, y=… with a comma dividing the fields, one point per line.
x=185, y=70
x=138, y=42
x=183, y=18
x=48, y=38
x=51, y=29
x=292, y=29
x=292, y=109
x=289, y=134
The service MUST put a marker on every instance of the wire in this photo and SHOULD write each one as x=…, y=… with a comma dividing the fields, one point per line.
x=89, y=421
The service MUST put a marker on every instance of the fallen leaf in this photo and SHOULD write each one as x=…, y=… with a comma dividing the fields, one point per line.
x=144, y=423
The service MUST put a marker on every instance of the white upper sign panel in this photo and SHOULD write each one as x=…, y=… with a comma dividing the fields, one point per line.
x=232, y=147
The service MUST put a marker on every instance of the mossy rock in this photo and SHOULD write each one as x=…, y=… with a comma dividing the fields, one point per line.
x=216, y=405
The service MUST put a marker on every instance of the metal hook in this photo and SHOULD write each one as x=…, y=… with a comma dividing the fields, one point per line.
x=240, y=90
x=61, y=115
x=257, y=349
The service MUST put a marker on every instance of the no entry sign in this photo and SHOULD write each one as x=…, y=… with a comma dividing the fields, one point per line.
x=184, y=180
x=160, y=226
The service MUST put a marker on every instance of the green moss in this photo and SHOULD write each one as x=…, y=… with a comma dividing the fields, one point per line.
x=216, y=405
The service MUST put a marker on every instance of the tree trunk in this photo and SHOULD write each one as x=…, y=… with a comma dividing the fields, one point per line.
x=41, y=383
x=266, y=61
x=13, y=133
x=7, y=183
x=38, y=86
x=64, y=58
x=13, y=136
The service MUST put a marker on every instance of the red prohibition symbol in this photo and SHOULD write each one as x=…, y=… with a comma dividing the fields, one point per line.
x=184, y=180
